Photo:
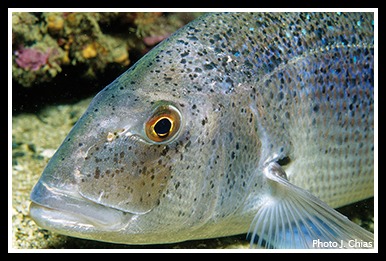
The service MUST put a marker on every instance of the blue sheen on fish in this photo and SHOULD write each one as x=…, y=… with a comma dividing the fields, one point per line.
x=238, y=122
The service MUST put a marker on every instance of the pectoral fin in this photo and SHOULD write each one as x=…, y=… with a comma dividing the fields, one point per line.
x=293, y=218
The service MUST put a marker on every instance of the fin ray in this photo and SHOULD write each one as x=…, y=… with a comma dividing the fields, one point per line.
x=294, y=218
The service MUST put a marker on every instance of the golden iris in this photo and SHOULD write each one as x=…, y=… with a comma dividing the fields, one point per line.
x=164, y=124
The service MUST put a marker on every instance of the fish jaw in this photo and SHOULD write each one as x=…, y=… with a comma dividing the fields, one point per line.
x=62, y=210
x=66, y=213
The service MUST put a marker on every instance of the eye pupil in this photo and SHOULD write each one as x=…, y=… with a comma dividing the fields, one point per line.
x=162, y=127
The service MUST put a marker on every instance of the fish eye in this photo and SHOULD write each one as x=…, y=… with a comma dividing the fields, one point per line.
x=164, y=124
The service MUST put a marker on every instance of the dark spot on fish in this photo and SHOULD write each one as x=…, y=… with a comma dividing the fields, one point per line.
x=165, y=151
x=97, y=173
x=182, y=42
x=187, y=144
x=185, y=54
x=197, y=69
x=230, y=136
x=287, y=115
x=209, y=66
x=280, y=96
x=198, y=88
x=192, y=38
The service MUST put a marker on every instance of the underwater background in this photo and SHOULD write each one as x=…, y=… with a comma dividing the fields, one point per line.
x=59, y=62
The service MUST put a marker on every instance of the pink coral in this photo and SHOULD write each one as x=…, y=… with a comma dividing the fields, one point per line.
x=31, y=58
x=153, y=40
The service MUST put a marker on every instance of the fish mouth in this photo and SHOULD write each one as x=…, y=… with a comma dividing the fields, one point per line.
x=62, y=210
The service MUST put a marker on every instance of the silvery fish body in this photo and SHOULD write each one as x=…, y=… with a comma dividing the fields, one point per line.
x=259, y=122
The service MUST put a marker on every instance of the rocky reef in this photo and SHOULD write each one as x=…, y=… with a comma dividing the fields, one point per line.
x=44, y=44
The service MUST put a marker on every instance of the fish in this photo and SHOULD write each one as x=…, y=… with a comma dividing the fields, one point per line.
x=238, y=123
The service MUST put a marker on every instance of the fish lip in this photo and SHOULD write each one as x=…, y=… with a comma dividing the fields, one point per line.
x=56, y=220
x=58, y=209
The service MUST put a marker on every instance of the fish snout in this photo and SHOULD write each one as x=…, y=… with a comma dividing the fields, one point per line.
x=58, y=209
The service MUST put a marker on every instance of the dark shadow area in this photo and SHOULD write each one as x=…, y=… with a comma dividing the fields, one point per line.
x=217, y=243
x=363, y=211
x=67, y=88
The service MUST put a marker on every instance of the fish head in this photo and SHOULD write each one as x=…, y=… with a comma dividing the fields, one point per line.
x=162, y=154
x=139, y=165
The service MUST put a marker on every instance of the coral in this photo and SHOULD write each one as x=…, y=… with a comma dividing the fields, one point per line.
x=25, y=28
x=123, y=59
x=43, y=43
x=145, y=22
x=90, y=51
x=37, y=63
x=37, y=56
x=55, y=23
x=153, y=40
x=31, y=58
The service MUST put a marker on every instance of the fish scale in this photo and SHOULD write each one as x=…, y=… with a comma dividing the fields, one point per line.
x=315, y=113
x=274, y=120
